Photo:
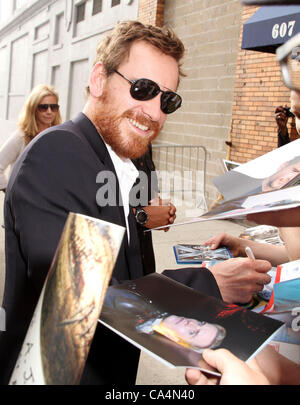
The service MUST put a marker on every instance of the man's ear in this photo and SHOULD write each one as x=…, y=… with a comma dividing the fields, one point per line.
x=97, y=80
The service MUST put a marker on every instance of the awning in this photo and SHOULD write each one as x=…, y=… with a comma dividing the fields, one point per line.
x=270, y=27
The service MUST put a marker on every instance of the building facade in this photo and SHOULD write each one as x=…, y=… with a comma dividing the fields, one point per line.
x=54, y=41
x=210, y=30
x=258, y=90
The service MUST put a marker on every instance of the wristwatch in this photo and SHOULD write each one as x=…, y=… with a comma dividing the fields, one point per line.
x=141, y=216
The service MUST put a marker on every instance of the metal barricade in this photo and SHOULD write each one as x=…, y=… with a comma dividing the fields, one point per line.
x=185, y=167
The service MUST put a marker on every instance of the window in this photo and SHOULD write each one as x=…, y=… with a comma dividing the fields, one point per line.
x=56, y=76
x=115, y=2
x=59, y=29
x=80, y=12
x=97, y=7
x=81, y=20
x=39, y=67
x=41, y=31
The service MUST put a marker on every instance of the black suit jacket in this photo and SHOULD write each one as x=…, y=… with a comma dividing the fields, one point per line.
x=145, y=164
x=57, y=174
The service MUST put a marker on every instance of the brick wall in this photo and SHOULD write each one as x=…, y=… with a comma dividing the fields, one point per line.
x=258, y=90
x=210, y=30
x=151, y=12
x=229, y=94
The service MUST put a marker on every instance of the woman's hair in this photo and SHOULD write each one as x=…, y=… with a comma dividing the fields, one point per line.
x=114, y=48
x=27, y=118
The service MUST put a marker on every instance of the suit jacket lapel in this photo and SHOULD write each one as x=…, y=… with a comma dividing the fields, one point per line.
x=96, y=142
x=132, y=251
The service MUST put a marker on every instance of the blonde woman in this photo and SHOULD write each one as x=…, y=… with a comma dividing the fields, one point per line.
x=39, y=112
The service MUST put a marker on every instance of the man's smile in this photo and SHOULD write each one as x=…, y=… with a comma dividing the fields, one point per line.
x=138, y=125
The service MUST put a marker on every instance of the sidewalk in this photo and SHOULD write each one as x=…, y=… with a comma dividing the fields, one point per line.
x=152, y=371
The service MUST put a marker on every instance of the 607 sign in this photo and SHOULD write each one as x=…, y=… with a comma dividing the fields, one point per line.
x=283, y=29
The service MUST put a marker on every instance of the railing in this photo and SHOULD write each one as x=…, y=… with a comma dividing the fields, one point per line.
x=183, y=169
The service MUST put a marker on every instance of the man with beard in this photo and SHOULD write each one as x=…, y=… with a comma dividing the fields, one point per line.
x=84, y=166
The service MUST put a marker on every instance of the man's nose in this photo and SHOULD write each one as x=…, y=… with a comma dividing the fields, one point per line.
x=153, y=110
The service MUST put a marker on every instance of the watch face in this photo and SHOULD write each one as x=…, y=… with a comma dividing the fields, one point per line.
x=141, y=217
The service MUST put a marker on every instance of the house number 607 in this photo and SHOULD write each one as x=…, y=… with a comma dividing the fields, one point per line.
x=283, y=29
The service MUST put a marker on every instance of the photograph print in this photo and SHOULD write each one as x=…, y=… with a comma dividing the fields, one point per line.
x=148, y=313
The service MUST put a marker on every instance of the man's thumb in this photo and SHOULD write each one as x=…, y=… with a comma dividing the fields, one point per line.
x=219, y=358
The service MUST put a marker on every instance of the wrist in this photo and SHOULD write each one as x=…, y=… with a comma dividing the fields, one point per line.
x=283, y=131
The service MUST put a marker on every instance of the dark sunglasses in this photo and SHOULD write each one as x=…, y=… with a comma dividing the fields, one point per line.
x=146, y=89
x=44, y=107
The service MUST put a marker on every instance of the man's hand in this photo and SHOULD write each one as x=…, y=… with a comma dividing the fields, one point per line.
x=234, y=244
x=160, y=212
x=238, y=279
x=234, y=371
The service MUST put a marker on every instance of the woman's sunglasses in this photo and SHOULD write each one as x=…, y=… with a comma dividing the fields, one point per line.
x=146, y=89
x=44, y=107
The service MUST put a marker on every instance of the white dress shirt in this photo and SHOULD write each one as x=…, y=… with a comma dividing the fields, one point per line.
x=127, y=174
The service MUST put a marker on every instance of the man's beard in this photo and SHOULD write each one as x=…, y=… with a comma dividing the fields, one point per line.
x=131, y=146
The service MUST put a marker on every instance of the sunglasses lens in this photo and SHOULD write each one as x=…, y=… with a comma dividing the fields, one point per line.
x=170, y=102
x=54, y=107
x=144, y=89
x=44, y=107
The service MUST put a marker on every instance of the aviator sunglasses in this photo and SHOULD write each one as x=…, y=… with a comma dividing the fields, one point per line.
x=44, y=107
x=146, y=89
